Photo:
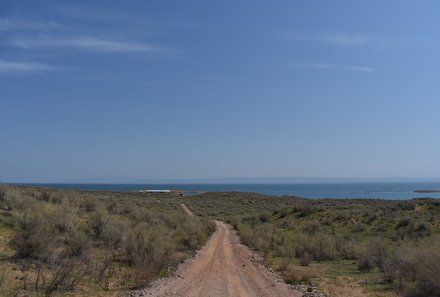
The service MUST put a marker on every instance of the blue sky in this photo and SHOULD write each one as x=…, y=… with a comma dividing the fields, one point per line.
x=129, y=91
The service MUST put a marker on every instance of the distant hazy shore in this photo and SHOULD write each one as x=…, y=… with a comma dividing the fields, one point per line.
x=374, y=190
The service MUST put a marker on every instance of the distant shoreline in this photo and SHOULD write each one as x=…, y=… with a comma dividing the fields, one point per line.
x=427, y=191
x=389, y=191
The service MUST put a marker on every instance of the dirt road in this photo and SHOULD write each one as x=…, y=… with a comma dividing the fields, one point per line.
x=223, y=268
x=186, y=209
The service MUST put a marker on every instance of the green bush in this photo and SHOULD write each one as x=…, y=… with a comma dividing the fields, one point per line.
x=319, y=247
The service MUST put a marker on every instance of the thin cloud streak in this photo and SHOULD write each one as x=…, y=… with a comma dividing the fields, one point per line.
x=85, y=43
x=337, y=67
x=10, y=67
x=359, y=68
x=17, y=24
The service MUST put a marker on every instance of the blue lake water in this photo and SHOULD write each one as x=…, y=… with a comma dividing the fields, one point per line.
x=398, y=190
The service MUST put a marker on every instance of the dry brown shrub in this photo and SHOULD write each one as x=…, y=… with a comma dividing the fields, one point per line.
x=295, y=275
x=34, y=234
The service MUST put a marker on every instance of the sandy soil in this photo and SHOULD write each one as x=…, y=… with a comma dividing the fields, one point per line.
x=224, y=267
x=348, y=288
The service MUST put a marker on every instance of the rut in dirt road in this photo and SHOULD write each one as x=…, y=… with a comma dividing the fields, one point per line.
x=223, y=268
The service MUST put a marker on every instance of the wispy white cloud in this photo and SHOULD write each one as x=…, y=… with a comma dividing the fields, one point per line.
x=337, y=67
x=360, y=68
x=85, y=43
x=17, y=24
x=12, y=67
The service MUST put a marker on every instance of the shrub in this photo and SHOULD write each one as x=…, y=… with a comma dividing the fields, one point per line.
x=311, y=228
x=320, y=247
x=34, y=235
x=264, y=217
x=44, y=196
x=293, y=275
x=365, y=263
x=149, y=253
x=427, y=263
x=414, y=271
x=103, y=273
x=88, y=204
x=422, y=228
x=359, y=227
x=345, y=247
x=282, y=212
x=404, y=222
x=98, y=221
x=406, y=205
x=392, y=271
x=288, y=248
x=114, y=233
x=305, y=259
x=326, y=221
x=373, y=255
x=66, y=274
x=341, y=216
x=64, y=238
x=303, y=210
x=3, y=193
x=64, y=218
x=5, y=198
x=192, y=233
x=77, y=245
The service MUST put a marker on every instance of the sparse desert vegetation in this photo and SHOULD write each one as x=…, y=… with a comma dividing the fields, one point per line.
x=85, y=243
x=377, y=247
x=55, y=242
x=393, y=247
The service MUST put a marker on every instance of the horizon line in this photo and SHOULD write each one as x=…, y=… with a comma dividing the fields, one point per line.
x=241, y=180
